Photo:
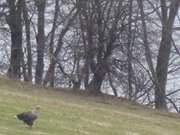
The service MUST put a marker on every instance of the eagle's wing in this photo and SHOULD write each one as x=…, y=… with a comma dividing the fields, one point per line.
x=27, y=117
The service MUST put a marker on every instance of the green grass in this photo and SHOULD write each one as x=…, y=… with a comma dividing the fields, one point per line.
x=67, y=113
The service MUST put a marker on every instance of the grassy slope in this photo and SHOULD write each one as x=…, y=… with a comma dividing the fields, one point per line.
x=69, y=114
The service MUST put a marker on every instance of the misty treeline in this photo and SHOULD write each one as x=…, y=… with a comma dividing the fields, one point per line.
x=126, y=48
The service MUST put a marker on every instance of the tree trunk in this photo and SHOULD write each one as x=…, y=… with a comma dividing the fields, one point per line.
x=40, y=41
x=51, y=71
x=162, y=69
x=129, y=52
x=28, y=42
x=164, y=51
x=14, y=21
x=99, y=74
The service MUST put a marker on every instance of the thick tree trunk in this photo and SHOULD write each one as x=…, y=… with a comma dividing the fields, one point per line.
x=168, y=18
x=40, y=41
x=94, y=86
x=15, y=23
x=162, y=69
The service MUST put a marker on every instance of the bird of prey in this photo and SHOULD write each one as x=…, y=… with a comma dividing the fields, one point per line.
x=29, y=117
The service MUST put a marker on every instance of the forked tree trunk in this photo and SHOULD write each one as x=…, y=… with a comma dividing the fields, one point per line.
x=168, y=17
x=51, y=70
x=159, y=76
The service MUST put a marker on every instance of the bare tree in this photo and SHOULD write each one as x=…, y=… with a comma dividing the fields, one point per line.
x=99, y=25
x=168, y=15
x=54, y=56
x=159, y=77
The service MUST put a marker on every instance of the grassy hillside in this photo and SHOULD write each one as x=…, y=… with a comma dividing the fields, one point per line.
x=65, y=113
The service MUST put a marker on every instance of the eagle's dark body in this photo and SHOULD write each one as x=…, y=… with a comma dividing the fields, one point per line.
x=28, y=117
